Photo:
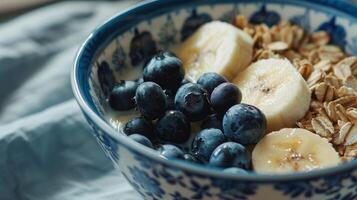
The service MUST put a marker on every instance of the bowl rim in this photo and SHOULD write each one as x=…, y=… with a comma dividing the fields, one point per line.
x=182, y=165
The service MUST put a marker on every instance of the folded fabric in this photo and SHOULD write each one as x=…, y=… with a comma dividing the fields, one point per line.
x=46, y=150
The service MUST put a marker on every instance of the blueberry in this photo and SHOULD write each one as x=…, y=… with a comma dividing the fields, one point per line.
x=230, y=154
x=170, y=99
x=210, y=80
x=141, y=139
x=244, y=123
x=225, y=96
x=235, y=170
x=191, y=99
x=212, y=121
x=205, y=142
x=190, y=158
x=173, y=127
x=150, y=100
x=122, y=96
x=139, y=125
x=184, y=81
x=171, y=151
x=170, y=96
x=165, y=70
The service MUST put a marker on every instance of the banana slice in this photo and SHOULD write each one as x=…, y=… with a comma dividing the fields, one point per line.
x=291, y=150
x=275, y=87
x=216, y=47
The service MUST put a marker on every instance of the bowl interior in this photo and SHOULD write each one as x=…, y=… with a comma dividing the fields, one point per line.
x=165, y=29
x=115, y=49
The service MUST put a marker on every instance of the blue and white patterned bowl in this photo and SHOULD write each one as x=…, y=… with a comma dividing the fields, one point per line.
x=107, y=53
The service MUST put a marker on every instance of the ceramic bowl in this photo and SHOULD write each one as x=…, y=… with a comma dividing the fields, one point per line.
x=120, y=45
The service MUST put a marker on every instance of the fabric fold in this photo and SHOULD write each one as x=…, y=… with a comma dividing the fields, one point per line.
x=46, y=148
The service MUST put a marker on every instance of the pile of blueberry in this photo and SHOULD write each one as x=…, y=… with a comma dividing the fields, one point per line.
x=169, y=104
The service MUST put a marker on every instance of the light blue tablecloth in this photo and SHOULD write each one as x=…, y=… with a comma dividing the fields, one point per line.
x=46, y=151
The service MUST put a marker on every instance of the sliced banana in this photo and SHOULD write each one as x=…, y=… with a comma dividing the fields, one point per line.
x=275, y=87
x=291, y=150
x=216, y=47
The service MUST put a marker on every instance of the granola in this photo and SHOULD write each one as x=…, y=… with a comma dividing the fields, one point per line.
x=329, y=72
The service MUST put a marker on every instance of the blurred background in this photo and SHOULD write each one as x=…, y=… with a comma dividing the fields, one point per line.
x=46, y=150
x=12, y=8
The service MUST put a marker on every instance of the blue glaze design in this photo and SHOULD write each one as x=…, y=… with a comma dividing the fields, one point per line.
x=150, y=185
x=96, y=89
x=201, y=191
x=233, y=189
x=106, y=142
x=337, y=32
x=144, y=162
x=177, y=196
x=142, y=47
x=168, y=33
x=152, y=176
x=106, y=77
x=329, y=186
x=229, y=16
x=119, y=57
x=302, y=20
x=169, y=178
x=269, y=18
x=193, y=22
x=135, y=186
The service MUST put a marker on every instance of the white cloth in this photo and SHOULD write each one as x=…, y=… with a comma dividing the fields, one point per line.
x=46, y=150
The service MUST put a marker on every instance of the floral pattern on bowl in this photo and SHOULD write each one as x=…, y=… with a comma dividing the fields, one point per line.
x=113, y=51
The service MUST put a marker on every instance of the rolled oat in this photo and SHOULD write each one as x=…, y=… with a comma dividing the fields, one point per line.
x=329, y=73
x=323, y=126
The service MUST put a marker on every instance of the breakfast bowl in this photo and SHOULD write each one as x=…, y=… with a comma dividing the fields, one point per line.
x=116, y=50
